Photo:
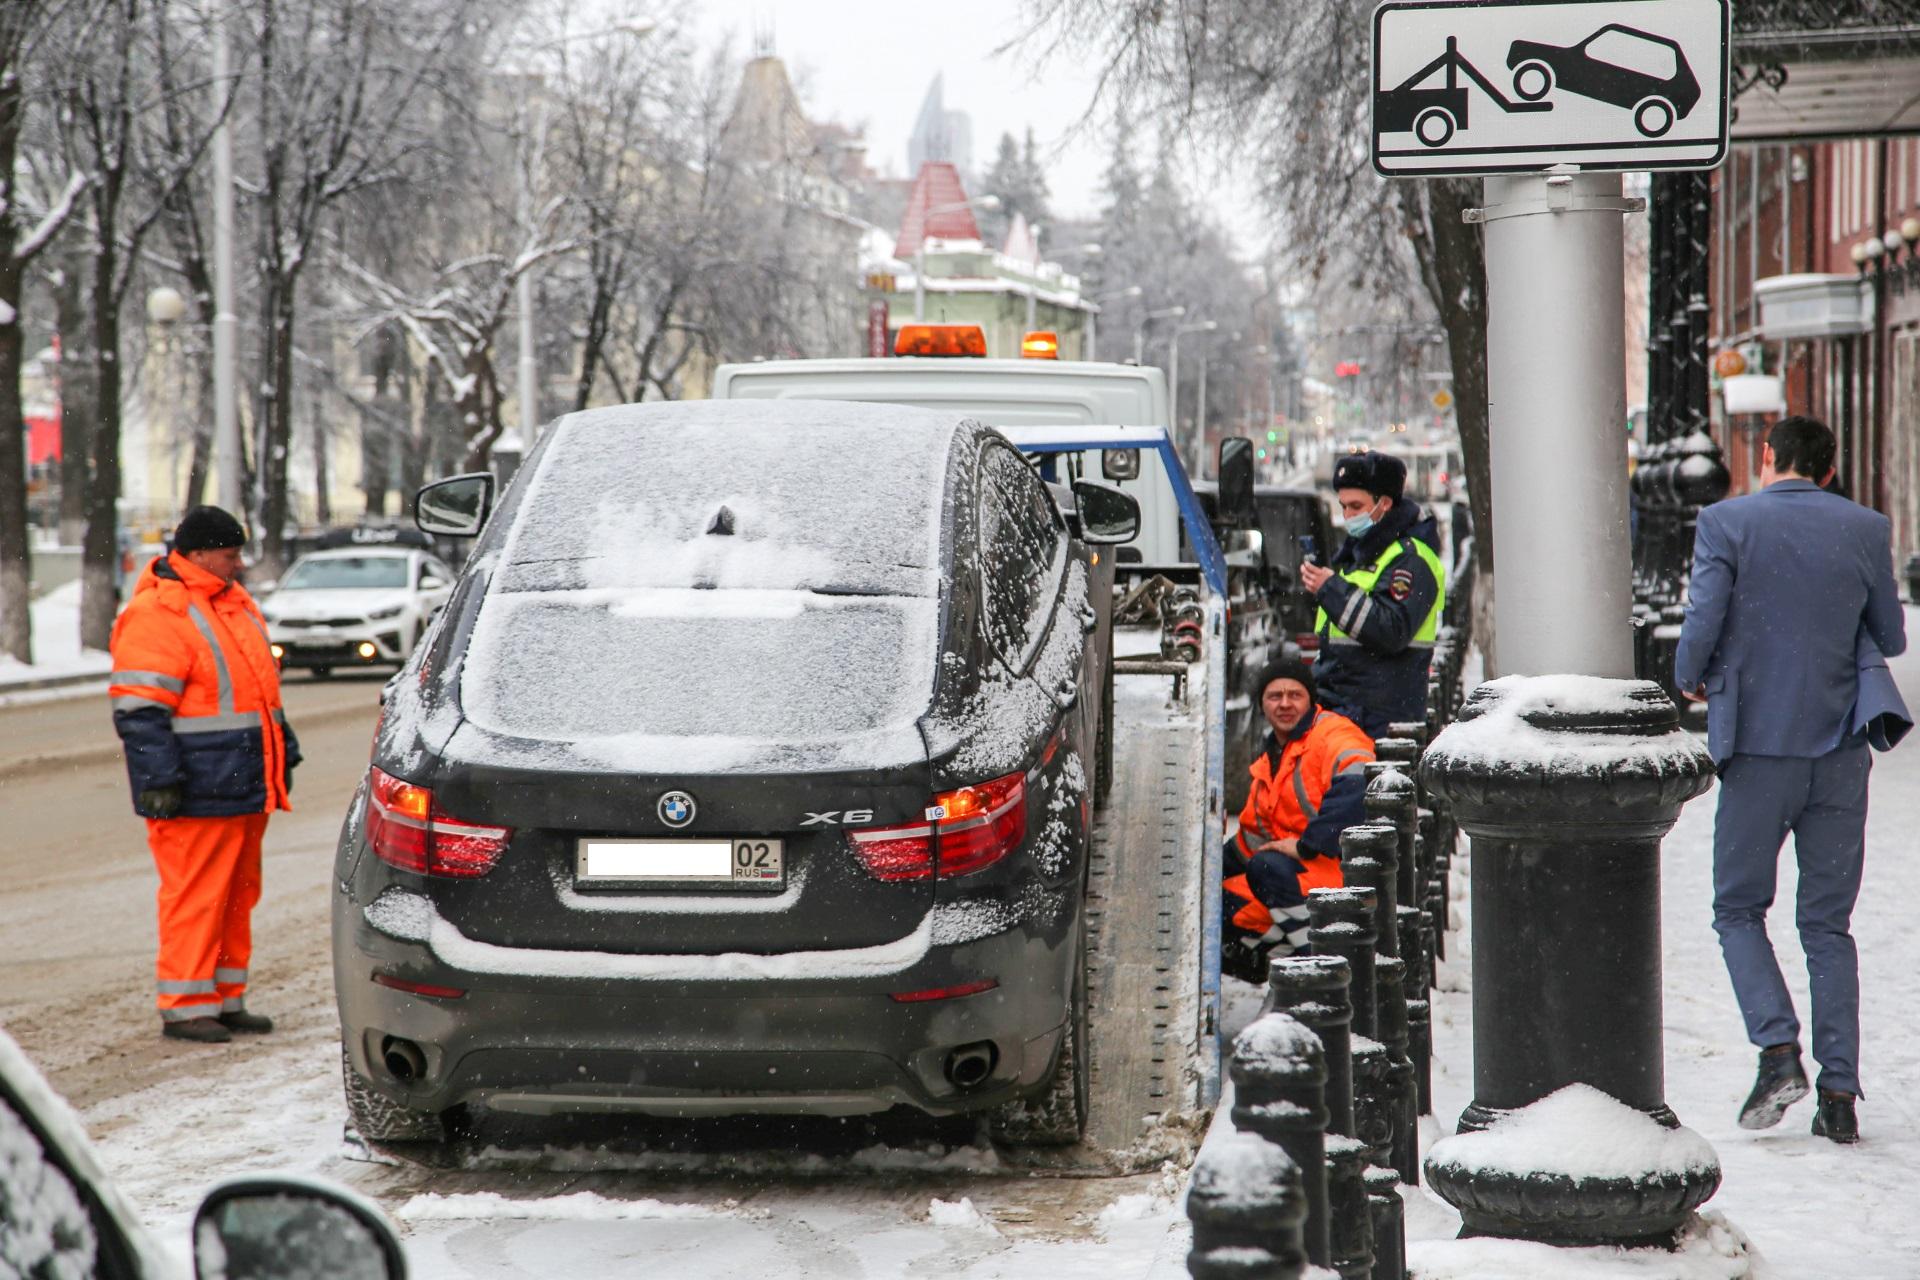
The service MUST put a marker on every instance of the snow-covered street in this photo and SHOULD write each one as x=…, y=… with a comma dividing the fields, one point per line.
x=849, y=1200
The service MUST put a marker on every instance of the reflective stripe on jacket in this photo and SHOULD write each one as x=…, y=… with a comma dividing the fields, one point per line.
x=196, y=694
x=1379, y=616
x=1309, y=788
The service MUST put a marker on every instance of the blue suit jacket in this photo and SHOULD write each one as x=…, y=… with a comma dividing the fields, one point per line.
x=1785, y=583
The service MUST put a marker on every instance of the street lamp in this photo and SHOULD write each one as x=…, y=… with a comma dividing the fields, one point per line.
x=1173, y=365
x=1140, y=330
x=1131, y=291
x=920, y=249
x=523, y=287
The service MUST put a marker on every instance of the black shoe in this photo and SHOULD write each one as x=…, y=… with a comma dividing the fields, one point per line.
x=198, y=1030
x=247, y=1023
x=1833, y=1118
x=1780, y=1083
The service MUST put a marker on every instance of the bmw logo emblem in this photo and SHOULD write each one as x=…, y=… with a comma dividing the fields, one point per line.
x=676, y=808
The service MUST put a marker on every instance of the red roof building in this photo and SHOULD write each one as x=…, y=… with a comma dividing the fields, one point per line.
x=936, y=210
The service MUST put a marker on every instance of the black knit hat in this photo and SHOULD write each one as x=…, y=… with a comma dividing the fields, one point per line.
x=1380, y=474
x=208, y=528
x=1286, y=669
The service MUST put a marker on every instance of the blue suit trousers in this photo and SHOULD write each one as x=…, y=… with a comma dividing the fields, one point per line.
x=1822, y=800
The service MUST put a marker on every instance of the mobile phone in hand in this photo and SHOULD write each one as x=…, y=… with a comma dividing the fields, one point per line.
x=1309, y=548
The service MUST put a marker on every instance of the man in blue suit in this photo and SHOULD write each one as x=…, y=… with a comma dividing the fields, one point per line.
x=1792, y=612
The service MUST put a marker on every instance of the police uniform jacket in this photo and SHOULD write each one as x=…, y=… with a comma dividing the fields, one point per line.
x=1375, y=642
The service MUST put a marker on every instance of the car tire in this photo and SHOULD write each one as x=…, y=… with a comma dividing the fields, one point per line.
x=1057, y=1116
x=1532, y=93
x=378, y=1118
x=1653, y=117
x=1433, y=116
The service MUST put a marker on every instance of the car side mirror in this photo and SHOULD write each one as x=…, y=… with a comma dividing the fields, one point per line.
x=1106, y=515
x=457, y=506
x=432, y=582
x=278, y=1229
x=1235, y=498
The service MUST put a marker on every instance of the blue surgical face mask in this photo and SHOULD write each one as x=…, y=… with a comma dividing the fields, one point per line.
x=1357, y=526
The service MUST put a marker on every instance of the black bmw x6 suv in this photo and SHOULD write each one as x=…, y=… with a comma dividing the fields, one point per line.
x=746, y=770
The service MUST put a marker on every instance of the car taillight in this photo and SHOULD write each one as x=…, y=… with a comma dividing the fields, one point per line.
x=407, y=828
x=972, y=827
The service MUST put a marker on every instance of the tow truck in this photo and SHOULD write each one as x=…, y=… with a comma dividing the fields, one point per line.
x=1177, y=726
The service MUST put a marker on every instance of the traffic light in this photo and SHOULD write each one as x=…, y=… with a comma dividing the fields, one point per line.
x=1272, y=436
x=1260, y=453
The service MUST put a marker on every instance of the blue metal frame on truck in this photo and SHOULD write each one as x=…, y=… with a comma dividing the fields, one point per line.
x=1213, y=571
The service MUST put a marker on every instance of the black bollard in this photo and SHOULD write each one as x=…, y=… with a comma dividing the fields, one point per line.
x=1373, y=1106
x=1390, y=978
x=1370, y=859
x=1391, y=799
x=1313, y=989
x=1340, y=923
x=1279, y=1075
x=1420, y=1049
x=1246, y=1207
x=1566, y=786
x=1349, y=1208
x=1389, y=1224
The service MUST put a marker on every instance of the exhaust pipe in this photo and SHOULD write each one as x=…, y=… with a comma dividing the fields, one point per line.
x=403, y=1059
x=970, y=1064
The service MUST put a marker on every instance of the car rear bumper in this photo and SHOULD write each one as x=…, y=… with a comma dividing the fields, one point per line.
x=544, y=1045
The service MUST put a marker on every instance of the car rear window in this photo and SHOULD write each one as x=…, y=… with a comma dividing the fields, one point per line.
x=756, y=579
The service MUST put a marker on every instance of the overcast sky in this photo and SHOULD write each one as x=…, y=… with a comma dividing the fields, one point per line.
x=869, y=62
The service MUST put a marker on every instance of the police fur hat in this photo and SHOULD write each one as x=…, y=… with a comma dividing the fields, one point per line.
x=207, y=529
x=1287, y=669
x=1380, y=474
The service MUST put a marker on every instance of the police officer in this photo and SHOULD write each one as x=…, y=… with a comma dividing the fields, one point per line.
x=1380, y=599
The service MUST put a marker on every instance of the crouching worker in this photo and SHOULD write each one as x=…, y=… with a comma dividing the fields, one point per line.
x=1309, y=785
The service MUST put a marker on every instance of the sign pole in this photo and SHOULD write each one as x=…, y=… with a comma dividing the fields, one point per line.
x=1556, y=377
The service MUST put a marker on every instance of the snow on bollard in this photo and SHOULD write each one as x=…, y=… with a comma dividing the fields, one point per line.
x=1566, y=785
x=1340, y=923
x=1246, y=1207
x=1279, y=1075
x=1575, y=1146
x=1370, y=859
x=1315, y=990
x=1389, y=1216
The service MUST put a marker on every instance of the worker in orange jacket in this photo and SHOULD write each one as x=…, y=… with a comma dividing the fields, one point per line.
x=196, y=702
x=1309, y=785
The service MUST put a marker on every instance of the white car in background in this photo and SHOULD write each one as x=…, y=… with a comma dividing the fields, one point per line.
x=355, y=607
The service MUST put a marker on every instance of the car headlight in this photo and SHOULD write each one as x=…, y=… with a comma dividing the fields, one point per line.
x=391, y=611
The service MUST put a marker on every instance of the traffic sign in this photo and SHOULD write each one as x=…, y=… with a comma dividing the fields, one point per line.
x=1485, y=86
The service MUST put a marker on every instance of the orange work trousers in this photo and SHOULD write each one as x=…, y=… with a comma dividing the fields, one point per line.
x=209, y=883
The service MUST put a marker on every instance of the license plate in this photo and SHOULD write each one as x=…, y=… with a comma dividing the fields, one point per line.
x=744, y=863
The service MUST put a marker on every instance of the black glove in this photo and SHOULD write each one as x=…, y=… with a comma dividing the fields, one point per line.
x=162, y=802
x=286, y=779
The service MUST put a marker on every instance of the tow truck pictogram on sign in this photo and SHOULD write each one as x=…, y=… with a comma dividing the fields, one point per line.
x=1591, y=84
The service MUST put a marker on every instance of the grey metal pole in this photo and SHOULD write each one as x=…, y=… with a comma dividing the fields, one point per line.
x=1200, y=409
x=226, y=324
x=1556, y=375
x=1093, y=331
x=920, y=279
x=1173, y=384
x=523, y=293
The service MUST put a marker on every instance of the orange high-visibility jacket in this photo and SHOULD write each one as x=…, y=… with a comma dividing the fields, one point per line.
x=1290, y=798
x=196, y=694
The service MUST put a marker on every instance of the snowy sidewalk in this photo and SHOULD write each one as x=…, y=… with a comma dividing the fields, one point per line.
x=59, y=664
x=1804, y=1207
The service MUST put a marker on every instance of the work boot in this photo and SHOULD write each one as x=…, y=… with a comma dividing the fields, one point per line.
x=1780, y=1083
x=248, y=1023
x=1833, y=1118
x=198, y=1030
